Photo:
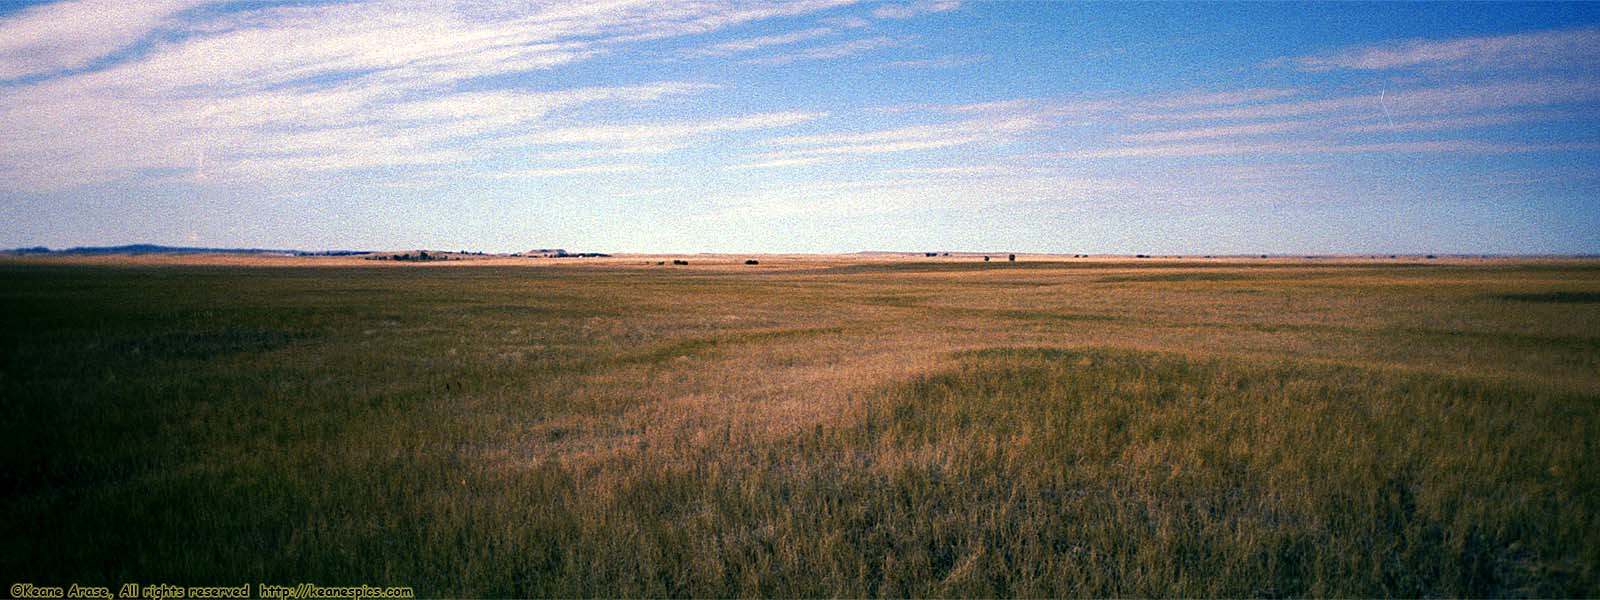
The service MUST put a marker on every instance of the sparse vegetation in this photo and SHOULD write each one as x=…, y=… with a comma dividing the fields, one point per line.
x=884, y=429
x=418, y=256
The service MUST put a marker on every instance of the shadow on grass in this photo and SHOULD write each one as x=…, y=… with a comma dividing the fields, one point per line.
x=1554, y=297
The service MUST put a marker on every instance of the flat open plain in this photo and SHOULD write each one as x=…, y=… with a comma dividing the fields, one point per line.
x=817, y=426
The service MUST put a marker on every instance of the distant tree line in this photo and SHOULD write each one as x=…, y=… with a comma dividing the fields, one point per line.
x=418, y=256
x=559, y=253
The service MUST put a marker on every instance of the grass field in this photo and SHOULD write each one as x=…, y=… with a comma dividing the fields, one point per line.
x=867, y=428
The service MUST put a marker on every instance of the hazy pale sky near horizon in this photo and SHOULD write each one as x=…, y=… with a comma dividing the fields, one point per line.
x=805, y=126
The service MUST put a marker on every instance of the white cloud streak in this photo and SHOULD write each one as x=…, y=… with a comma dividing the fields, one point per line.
x=1453, y=123
x=1441, y=100
x=1320, y=147
x=914, y=9
x=542, y=172
x=272, y=92
x=832, y=51
x=69, y=35
x=640, y=133
x=268, y=91
x=1539, y=49
x=994, y=130
x=778, y=163
x=765, y=41
x=1221, y=131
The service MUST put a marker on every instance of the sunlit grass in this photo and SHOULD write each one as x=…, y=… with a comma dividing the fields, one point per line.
x=893, y=429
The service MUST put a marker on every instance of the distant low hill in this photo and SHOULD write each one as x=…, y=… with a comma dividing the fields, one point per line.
x=157, y=249
x=561, y=253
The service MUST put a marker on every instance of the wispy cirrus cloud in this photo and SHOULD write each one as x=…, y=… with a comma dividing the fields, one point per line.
x=1257, y=122
x=1434, y=100
x=590, y=153
x=1220, y=131
x=990, y=106
x=54, y=138
x=1428, y=120
x=833, y=51
x=600, y=169
x=779, y=163
x=721, y=103
x=908, y=10
x=1164, y=105
x=626, y=134
x=846, y=22
x=1200, y=98
x=69, y=35
x=1321, y=147
x=994, y=130
x=765, y=41
x=281, y=89
x=1458, y=122
x=1538, y=49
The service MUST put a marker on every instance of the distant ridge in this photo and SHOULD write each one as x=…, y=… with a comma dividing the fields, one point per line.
x=158, y=249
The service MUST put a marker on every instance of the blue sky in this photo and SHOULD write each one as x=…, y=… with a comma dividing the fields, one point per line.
x=806, y=126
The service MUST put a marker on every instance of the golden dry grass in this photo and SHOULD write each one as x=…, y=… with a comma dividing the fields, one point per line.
x=865, y=425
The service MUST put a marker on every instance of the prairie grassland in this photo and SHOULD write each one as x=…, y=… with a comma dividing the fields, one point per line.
x=873, y=428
